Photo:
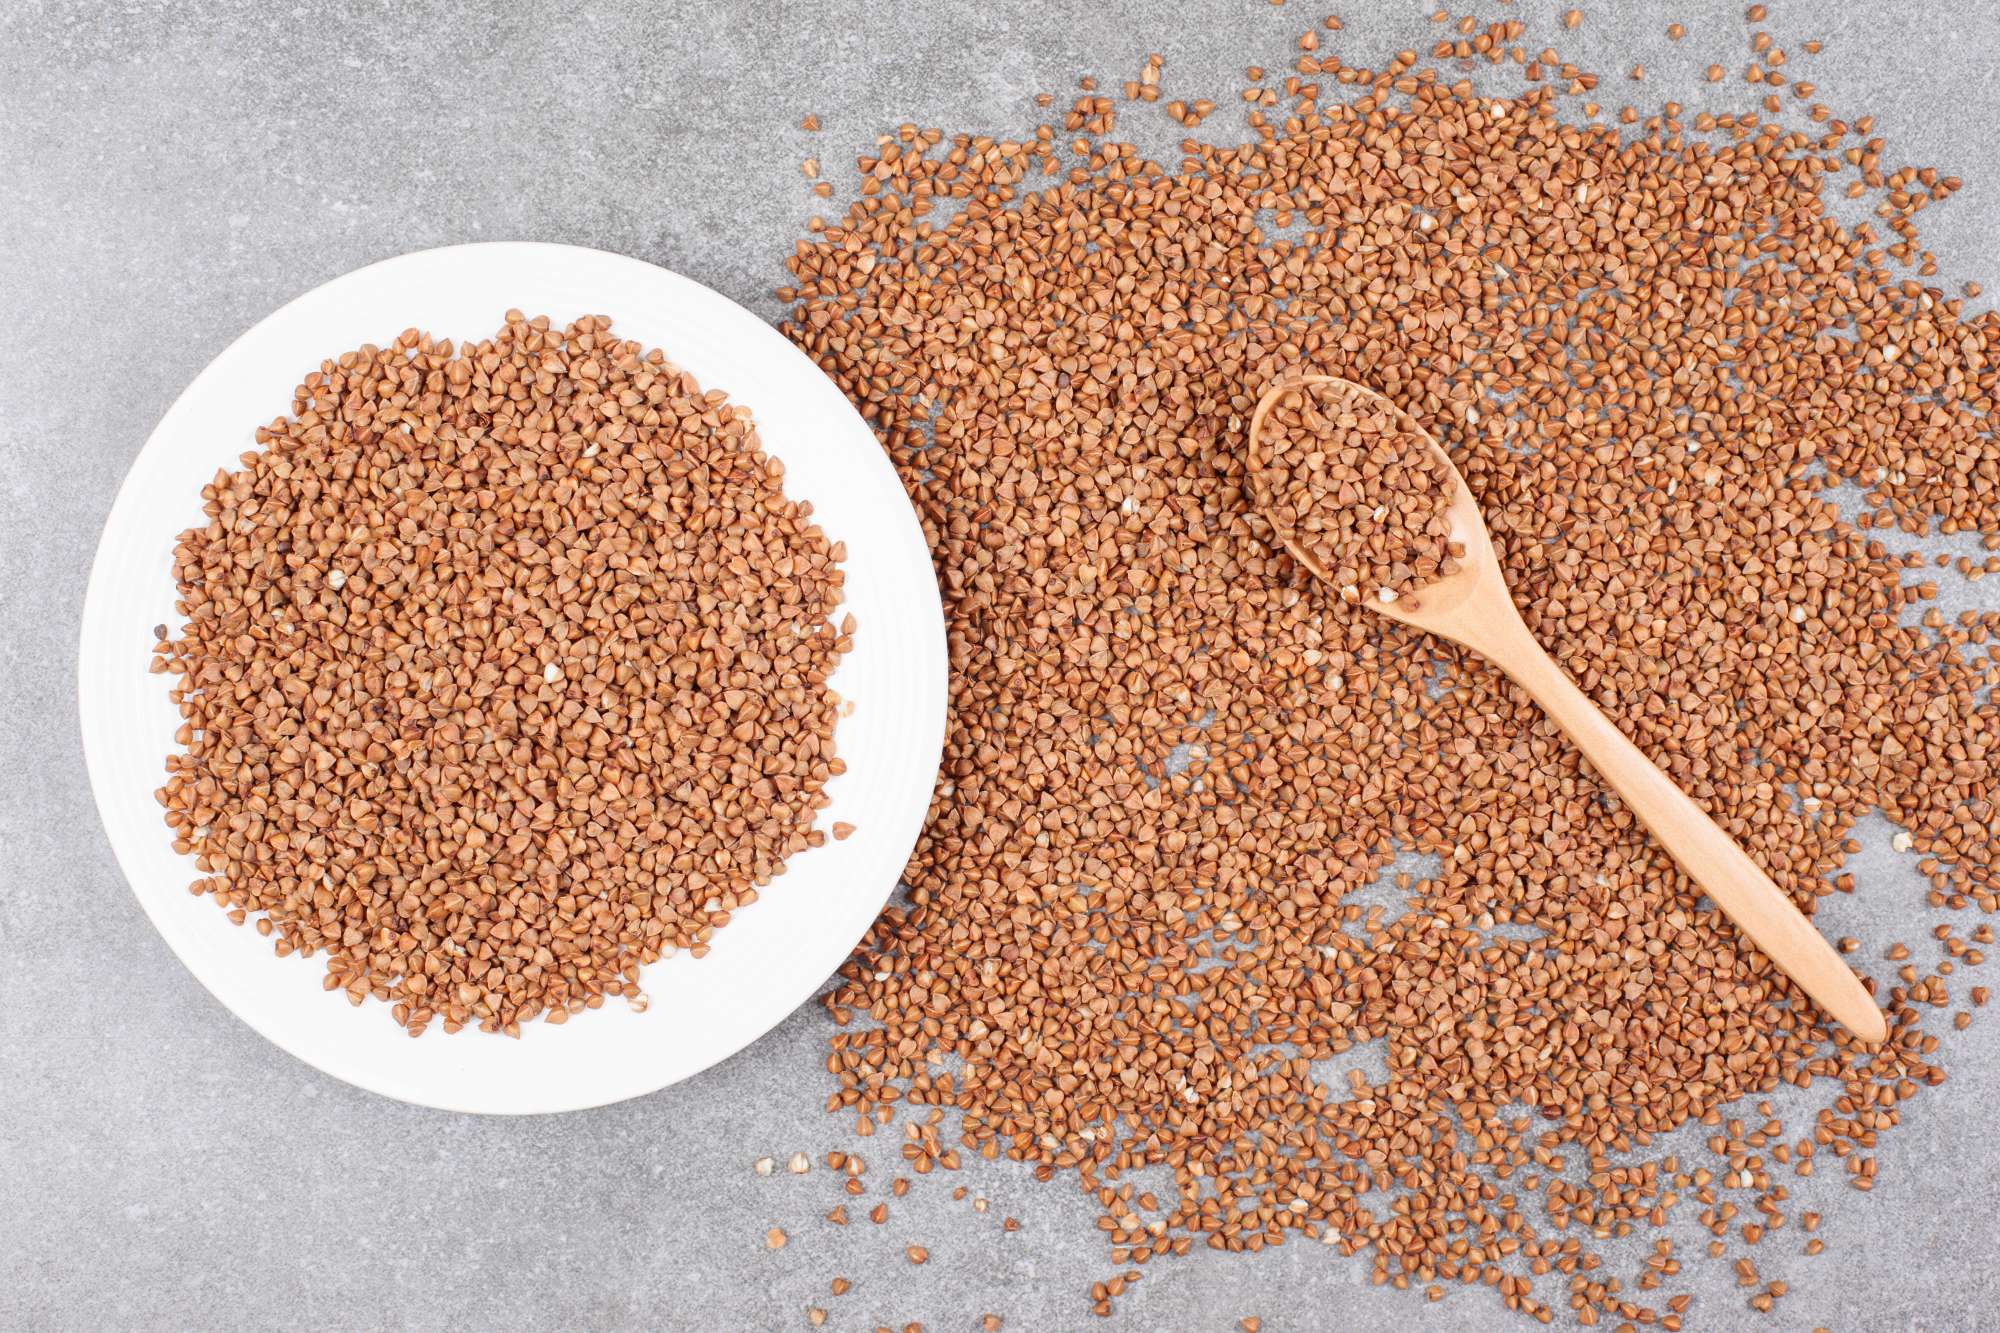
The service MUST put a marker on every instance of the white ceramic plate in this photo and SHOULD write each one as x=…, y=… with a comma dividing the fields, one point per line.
x=773, y=955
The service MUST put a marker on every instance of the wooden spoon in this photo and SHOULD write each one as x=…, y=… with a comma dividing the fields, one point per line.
x=1471, y=606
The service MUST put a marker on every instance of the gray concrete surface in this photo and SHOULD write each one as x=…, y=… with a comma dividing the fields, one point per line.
x=174, y=171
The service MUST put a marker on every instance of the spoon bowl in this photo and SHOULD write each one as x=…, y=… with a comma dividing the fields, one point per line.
x=1476, y=581
x=1472, y=606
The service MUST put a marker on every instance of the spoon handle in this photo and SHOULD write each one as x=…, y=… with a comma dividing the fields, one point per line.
x=1710, y=857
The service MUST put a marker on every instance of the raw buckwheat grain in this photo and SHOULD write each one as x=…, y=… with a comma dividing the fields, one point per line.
x=1130, y=930
x=503, y=673
x=1343, y=478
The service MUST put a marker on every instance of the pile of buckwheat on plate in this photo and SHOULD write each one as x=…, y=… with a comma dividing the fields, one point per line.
x=1131, y=928
x=503, y=673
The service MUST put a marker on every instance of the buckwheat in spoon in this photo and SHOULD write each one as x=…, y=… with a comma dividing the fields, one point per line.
x=1367, y=501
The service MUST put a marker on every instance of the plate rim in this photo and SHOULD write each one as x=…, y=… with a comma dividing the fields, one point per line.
x=99, y=762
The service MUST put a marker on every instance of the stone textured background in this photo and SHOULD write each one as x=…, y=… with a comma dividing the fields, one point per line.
x=174, y=171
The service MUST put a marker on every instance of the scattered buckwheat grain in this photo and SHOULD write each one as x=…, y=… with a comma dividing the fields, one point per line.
x=1131, y=932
